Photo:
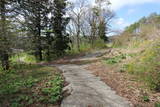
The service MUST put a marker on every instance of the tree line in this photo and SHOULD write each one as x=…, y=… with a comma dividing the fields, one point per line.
x=48, y=27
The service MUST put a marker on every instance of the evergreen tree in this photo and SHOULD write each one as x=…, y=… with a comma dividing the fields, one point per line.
x=34, y=13
x=61, y=40
x=7, y=12
x=102, y=30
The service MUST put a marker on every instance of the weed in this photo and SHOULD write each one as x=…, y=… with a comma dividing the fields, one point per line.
x=86, y=46
x=18, y=85
x=146, y=98
x=146, y=66
x=115, y=59
x=157, y=104
x=30, y=82
x=54, y=89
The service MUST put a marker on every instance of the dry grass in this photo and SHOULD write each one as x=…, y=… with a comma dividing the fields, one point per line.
x=125, y=85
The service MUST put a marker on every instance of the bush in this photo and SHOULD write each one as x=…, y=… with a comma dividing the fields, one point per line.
x=100, y=44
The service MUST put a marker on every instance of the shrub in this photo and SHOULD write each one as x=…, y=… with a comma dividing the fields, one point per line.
x=99, y=43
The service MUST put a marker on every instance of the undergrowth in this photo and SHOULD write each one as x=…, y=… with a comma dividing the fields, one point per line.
x=23, y=57
x=86, y=47
x=24, y=85
x=118, y=59
x=147, y=66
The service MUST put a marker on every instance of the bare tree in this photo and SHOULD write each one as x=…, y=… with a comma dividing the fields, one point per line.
x=77, y=13
x=105, y=16
x=89, y=21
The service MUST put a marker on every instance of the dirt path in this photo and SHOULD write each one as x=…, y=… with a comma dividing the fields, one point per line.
x=87, y=90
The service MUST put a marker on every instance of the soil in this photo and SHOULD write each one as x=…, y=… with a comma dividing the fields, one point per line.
x=125, y=85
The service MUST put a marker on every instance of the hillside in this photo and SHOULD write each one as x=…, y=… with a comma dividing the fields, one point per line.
x=133, y=62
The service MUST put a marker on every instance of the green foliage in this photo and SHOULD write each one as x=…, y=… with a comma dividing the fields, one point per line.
x=115, y=59
x=146, y=98
x=102, y=30
x=14, y=81
x=86, y=47
x=17, y=101
x=55, y=89
x=30, y=82
x=99, y=44
x=83, y=48
x=146, y=66
x=18, y=85
x=157, y=104
x=23, y=58
x=61, y=40
x=132, y=28
x=153, y=19
x=137, y=33
x=7, y=31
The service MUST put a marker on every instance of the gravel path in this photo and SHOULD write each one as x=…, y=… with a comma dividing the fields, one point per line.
x=87, y=90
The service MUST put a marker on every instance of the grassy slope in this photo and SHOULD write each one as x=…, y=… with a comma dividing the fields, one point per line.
x=133, y=71
x=146, y=66
x=143, y=66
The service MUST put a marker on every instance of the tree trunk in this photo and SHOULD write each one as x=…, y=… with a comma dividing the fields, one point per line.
x=39, y=48
x=78, y=42
x=4, y=53
x=5, y=61
x=40, y=53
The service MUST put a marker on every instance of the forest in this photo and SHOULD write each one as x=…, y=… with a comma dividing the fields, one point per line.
x=66, y=53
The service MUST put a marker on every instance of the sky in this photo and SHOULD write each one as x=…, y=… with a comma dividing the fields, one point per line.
x=130, y=11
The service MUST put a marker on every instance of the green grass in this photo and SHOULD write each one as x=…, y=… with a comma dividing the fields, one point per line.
x=115, y=59
x=157, y=104
x=24, y=85
x=146, y=98
x=23, y=57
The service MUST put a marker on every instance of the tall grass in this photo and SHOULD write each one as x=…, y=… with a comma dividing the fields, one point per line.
x=87, y=46
x=147, y=66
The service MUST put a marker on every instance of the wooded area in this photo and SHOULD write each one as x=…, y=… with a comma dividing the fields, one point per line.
x=50, y=28
x=57, y=51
